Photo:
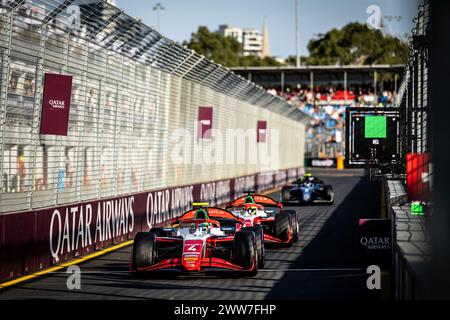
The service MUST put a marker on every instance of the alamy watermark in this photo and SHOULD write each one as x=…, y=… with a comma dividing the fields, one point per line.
x=374, y=280
x=376, y=20
x=225, y=147
x=74, y=280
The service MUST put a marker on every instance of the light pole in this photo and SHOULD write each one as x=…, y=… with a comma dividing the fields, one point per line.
x=158, y=7
x=297, y=34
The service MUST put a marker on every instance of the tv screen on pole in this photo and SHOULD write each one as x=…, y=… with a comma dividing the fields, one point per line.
x=372, y=135
x=375, y=127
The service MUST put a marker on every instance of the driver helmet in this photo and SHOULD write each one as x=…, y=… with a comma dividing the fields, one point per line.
x=204, y=227
x=252, y=210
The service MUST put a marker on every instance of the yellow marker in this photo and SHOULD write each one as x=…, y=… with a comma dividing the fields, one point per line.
x=340, y=163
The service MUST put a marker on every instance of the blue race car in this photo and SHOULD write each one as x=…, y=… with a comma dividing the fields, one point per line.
x=307, y=190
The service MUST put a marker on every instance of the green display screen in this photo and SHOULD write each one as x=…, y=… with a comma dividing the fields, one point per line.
x=375, y=127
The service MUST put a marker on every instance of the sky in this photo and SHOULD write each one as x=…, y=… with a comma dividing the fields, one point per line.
x=182, y=17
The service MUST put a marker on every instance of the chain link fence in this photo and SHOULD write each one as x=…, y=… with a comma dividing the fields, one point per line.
x=132, y=88
x=413, y=99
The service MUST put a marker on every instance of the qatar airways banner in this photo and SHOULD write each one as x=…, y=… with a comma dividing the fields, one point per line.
x=262, y=131
x=56, y=104
x=30, y=241
x=205, y=119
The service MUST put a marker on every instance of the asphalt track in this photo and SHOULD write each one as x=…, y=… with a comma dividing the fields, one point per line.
x=324, y=264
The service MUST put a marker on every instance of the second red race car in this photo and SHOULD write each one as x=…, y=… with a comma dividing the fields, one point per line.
x=257, y=211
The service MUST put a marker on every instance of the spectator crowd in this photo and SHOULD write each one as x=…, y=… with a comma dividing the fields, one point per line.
x=327, y=105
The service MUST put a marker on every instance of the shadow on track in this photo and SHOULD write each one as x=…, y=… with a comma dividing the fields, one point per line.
x=333, y=252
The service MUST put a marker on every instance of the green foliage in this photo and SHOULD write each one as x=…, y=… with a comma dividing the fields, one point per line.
x=292, y=60
x=356, y=44
x=224, y=50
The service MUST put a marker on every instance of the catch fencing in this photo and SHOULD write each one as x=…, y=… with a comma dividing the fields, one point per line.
x=413, y=98
x=132, y=90
x=411, y=249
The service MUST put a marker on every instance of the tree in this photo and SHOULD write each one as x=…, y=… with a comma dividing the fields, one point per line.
x=356, y=44
x=226, y=51
x=292, y=60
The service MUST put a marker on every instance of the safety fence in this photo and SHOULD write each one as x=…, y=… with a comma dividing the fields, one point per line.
x=413, y=100
x=141, y=109
x=409, y=200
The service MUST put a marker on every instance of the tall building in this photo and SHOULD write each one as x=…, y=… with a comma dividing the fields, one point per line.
x=236, y=33
x=251, y=39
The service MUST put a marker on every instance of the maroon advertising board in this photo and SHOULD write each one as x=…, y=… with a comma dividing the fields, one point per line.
x=205, y=120
x=36, y=239
x=262, y=131
x=56, y=104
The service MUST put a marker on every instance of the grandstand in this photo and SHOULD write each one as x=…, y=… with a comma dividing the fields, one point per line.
x=324, y=92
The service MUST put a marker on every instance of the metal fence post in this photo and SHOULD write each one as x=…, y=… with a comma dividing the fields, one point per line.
x=35, y=136
x=80, y=141
x=101, y=126
x=4, y=85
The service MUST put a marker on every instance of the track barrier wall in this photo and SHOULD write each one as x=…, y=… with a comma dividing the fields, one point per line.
x=144, y=113
x=34, y=240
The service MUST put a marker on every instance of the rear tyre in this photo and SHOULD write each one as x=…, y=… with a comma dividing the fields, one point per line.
x=259, y=240
x=295, y=227
x=329, y=194
x=286, y=194
x=284, y=226
x=143, y=250
x=245, y=251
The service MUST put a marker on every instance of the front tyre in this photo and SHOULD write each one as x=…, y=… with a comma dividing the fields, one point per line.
x=245, y=251
x=143, y=251
x=259, y=240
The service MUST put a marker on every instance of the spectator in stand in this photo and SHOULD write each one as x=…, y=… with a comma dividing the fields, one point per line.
x=327, y=105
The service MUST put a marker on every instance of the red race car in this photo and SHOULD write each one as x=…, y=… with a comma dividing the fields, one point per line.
x=201, y=240
x=258, y=211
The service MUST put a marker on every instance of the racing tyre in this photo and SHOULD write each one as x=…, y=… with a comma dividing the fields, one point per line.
x=259, y=240
x=329, y=194
x=244, y=250
x=286, y=194
x=295, y=227
x=284, y=225
x=143, y=250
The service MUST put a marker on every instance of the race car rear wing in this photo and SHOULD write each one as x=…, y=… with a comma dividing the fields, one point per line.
x=259, y=199
x=213, y=213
